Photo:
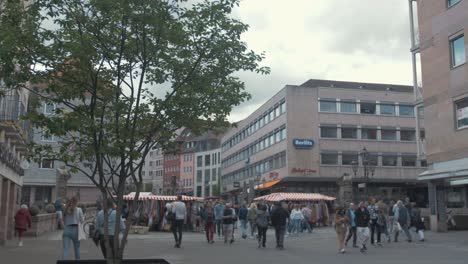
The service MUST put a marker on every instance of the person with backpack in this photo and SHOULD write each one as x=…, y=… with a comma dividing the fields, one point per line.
x=243, y=212
x=228, y=223
x=262, y=223
x=402, y=217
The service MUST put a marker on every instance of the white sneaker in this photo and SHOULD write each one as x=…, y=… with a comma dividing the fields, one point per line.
x=20, y=244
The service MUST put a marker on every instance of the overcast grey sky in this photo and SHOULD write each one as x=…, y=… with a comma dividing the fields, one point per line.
x=347, y=40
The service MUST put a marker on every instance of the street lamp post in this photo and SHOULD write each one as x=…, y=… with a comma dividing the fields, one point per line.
x=369, y=168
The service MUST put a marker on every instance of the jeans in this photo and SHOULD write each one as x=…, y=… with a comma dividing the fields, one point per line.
x=243, y=227
x=405, y=229
x=177, y=226
x=363, y=235
x=262, y=235
x=219, y=227
x=209, y=230
x=103, y=245
x=352, y=233
x=296, y=225
x=375, y=228
x=307, y=225
x=279, y=233
x=253, y=227
x=70, y=234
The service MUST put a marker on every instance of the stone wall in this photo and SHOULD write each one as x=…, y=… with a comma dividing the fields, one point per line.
x=42, y=223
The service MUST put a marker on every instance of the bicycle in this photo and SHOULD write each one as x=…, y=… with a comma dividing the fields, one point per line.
x=90, y=220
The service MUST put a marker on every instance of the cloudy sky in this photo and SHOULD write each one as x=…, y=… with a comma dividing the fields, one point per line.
x=347, y=40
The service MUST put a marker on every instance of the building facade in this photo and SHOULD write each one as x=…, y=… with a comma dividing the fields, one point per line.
x=208, y=170
x=153, y=171
x=307, y=137
x=13, y=138
x=40, y=180
x=438, y=36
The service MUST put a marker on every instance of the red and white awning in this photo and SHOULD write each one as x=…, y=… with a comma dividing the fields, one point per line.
x=144, y=196
x=276, y=197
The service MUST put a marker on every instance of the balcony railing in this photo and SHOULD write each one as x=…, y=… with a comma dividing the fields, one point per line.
x=11, y=112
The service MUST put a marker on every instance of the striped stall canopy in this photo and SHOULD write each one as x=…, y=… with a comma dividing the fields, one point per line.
x=276, y=197
x=144, y=196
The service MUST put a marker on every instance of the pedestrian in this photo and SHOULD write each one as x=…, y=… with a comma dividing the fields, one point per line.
x=296, y=218
x=307, y=213
x=22, y=223
x=207, y=214
x=228, y=223
x=243, y=212
x=362, y=223
x=279, y=218
x=391, y=223
x=73, y=218
x=382, y=220
x=58, y=204
x=180, y=214
x=341, y=225
x=112, y=220
x=262, y=223
x=219, y=211
x=419, y=223
x=374, y=215
x=402, y=218
x=352, y=224
x=252, y=217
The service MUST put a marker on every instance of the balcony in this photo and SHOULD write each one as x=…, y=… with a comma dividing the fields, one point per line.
x=10, y=160
x=15, y=129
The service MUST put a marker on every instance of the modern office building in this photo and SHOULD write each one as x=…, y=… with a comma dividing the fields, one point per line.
x=13, y=138
x=308, y=137
x=438, y=35
x=208, y=169
x=153, y=171
x=40, y=180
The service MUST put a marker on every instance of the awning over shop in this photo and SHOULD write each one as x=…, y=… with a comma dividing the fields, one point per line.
x=267, y=185
x=276, y=197
x=149, y=196
x=446, y=170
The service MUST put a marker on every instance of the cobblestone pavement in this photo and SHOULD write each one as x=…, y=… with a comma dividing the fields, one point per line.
x=318, y=247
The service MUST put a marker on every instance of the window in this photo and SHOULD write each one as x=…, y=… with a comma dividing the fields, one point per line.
x=348, y=132
x=49, y=108
x=348, y=158
x=406, y=110
x=327, y=106
x=389, y=160
x=348, y=107
x=408, y=135
x=283, y=134
x=213, y=174
x=389, y=134
x=277, y=111
x=421, y=112
x=199, y=161
x=368, y=108
x=283, y=107
x=47, y=164
x=329, y=158
x=207, y=175
x=462, y=113
x=408, y=161
x=369, y=133
x=199, y=176
x=46, y=136
x=328, y=132
x=451, y=3
x=387, y=109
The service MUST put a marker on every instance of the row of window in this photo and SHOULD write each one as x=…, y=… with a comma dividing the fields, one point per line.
x=265, y=142
x=156, y=163
x=156, y=173
x=255, y=125
x=387, y=159
x=188, y=157
x=207, y=175
x=369, y=133
x=210, y=160
x=171, y=156
x=188, y=169
x=187, y=182
x=174, y=168
x=366, y=107
x=271, y=163
x=155, y=153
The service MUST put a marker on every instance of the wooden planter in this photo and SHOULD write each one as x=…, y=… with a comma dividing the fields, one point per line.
x=142, y=230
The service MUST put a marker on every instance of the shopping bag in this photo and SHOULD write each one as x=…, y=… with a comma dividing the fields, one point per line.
x=81, y=232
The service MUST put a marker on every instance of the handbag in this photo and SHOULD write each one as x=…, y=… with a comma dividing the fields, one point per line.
x=81, y=232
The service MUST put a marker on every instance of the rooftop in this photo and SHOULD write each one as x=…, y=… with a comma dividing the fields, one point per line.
x=358, y=85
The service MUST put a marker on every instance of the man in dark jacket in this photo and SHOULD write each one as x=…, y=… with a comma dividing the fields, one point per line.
x=402, y=216
x=243, y=220
x=279, y=217
x=362, y=223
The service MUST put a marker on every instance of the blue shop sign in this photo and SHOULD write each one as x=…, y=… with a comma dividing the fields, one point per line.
x=303, y=143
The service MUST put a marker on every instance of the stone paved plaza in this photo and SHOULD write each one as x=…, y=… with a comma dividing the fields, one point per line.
x=319, y=247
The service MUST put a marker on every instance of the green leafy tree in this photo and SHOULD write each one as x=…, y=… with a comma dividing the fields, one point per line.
x=125, y=75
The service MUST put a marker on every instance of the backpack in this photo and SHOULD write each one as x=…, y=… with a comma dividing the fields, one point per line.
x=170, y=216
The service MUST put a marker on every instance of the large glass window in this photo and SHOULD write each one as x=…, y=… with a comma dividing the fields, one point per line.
x=283, y=107
x=389, y=134
x=49, y=108
x=389, y=160
x=199, y=161
x=199, y=176
x=408, y=135
x=387, y=109
x=47, y=164
x=207, y=160
x=328, y=132
x=329, y=158
x=452, y=2
x=327, y=106
x=369, y=133
x=408, y=161
x=348, y=158
x=457, y=46
x=348, y=132
x=348, y=107
x=368, y=108
x=462, y=113
x=406, y=110
x=283, y=133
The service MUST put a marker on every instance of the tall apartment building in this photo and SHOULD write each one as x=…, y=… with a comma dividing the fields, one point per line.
x=305, y=138
x=438, y=35
x=13, y=137
x=208, y=170
x=40, y=180
x=153, y=171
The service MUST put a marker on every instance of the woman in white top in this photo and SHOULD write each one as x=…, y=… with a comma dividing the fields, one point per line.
x=296, y=219
x=72, y=218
